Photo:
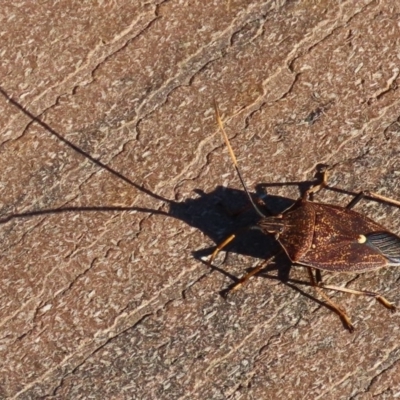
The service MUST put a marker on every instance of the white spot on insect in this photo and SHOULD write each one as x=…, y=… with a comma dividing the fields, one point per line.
x=361, y=239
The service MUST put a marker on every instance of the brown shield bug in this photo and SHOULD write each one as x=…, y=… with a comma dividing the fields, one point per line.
x=324, y=237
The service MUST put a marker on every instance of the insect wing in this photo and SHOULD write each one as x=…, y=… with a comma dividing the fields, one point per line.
x=387, y=244
x=347, y=241
x=345, y=257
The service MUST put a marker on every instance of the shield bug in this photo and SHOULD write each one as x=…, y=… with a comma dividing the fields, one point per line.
x=324, y=237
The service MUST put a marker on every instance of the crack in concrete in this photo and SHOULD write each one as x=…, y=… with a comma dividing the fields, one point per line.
x=231, y=31
x=260, y=102
x=92, y=62
x=356, y=134
x=390, y=86
x=217, y=361
x=258, y=360
x=382, y=361
x=85, y=350
x=207, y=159
x=375, y=378
x=99, y=348
x=186, y=65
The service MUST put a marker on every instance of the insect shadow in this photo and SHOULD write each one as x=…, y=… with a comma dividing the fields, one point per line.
x=203, y=212
x=225, y=210
x=208, y=212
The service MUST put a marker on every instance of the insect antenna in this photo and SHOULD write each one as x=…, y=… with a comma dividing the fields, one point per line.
x=232, y=154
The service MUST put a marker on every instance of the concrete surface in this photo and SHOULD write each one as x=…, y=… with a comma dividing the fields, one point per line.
x=113, y=175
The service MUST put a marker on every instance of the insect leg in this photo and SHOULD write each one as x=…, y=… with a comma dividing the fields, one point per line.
x=220, y=247
x=356, y=200
x=318, y=287
x=253, y=272
x=316, y=188
x=384, y=199
x=226, y=242
x=374, y=196
x=377, y=296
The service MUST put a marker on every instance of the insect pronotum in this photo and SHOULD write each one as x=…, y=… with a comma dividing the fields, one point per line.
x=324, y=237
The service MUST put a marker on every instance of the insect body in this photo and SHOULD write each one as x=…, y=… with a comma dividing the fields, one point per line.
x=327, y=238
x=333, y=238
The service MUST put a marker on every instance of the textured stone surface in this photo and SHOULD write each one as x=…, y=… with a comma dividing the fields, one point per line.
x=111, y=199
